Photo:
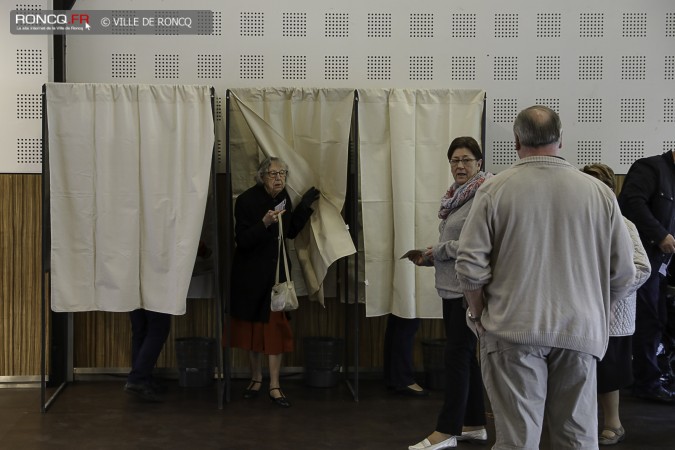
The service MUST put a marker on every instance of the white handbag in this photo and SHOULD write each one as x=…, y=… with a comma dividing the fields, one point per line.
x=284, y=297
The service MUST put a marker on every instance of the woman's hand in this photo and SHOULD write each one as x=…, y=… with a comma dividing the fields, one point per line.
x=480, y=329
x=428, y=257
x=424, y=258
x=310, y=197
x=415, y=256
x=667, y=245
x=272, y=217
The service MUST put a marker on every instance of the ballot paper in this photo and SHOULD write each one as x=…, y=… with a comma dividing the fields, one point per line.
x=413, y=254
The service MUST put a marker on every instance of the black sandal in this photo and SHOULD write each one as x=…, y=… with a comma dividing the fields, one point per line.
x=281, y=400
x=251, y=393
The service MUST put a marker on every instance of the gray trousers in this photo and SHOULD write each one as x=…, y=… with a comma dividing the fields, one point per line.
x=525, y=383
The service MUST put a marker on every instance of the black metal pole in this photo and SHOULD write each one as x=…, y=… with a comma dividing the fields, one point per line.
x=58, y=343
x=228, y=244
x=355, y=238
x=222, y=380
x=351, y=216
x=482, y=131
x=45, y=257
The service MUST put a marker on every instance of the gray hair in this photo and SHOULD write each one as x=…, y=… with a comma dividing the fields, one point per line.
x=537, y=126
x=265, y=165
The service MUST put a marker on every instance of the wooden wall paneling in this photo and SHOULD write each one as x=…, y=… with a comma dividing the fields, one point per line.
x=20, y=273
x=6, y=274
x=103, y=339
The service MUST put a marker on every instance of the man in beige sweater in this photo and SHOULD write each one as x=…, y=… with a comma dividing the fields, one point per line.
x=542, y=254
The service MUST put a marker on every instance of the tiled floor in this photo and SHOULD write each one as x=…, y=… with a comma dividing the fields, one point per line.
x=99, y=415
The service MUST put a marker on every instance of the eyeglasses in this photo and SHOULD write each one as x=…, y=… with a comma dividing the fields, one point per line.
x=464, y=161
x=274, y=173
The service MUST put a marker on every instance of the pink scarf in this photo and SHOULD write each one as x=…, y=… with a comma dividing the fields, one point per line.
x=458, y=195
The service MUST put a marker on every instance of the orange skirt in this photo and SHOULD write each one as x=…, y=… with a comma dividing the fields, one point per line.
x=271, y=338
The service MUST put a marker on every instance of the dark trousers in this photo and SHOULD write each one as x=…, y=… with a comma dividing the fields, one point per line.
x=463, y=404
x=650, y=321
x=149, y=331
x=399, y=341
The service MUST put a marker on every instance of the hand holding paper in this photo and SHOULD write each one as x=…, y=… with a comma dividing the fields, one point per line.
x=419, y=257
x=413, y=255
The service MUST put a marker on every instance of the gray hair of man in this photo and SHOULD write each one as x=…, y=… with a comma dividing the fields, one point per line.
x=265, y=166
x=537, y=126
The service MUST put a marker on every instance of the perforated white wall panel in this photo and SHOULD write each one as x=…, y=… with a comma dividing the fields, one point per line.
x=607, y=66
x=24, y=70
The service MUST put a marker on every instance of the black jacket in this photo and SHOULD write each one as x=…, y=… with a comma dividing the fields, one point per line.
x=255, y=255
x=647, y=199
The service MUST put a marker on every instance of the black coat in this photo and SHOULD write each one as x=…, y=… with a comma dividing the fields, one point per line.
x=255, y=256
x=647, y=199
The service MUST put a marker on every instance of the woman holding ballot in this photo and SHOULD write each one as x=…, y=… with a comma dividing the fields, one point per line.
x=462, y=417
x=254, y=327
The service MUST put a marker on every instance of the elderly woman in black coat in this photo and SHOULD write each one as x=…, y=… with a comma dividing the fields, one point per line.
x=254, y=326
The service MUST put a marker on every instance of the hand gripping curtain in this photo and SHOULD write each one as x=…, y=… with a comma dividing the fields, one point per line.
x=309, y=129
x=129, y=174
x=404, y=139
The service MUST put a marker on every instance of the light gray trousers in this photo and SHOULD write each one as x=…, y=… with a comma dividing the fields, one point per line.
x=525, y=383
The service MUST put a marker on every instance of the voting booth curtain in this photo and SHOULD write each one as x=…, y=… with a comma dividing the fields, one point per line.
x=129, y=171
x=129, y=177
x=404, y=137
x=309, y=129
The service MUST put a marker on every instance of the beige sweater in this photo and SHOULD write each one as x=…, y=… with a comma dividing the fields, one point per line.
x=549, y=246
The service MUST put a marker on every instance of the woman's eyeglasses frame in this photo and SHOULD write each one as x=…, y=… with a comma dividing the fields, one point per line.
x=464, y=161
x=275, y=173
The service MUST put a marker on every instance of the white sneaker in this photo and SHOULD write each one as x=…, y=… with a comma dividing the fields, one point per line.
x=426, y=445
x=474, y=436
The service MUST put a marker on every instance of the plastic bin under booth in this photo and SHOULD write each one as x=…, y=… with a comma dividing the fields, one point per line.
x=195, y=357
x=323, y=356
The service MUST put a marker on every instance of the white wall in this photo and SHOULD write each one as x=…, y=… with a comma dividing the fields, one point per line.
x=24, y=70
x=607, y=66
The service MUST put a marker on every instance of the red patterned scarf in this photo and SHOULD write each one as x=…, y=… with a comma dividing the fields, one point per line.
x=457, y=194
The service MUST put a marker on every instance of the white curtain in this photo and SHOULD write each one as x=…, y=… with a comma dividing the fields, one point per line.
x=309, y=129
x=129, y=175
x=404, y=138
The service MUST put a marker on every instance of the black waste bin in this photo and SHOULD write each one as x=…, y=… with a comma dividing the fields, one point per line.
x=433, y=358
x=195, y=357
x=323, y=356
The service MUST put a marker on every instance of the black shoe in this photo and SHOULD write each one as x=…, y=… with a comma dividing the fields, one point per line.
x=143, y=392
x=250, y=393
x=410, y=392
x=280, y=401
x=657, y=394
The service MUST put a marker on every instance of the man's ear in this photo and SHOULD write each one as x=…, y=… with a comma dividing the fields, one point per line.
x=560, y=141
x=517, y=143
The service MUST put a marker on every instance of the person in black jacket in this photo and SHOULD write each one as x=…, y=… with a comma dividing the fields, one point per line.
x=254, y=327
x=648, y=200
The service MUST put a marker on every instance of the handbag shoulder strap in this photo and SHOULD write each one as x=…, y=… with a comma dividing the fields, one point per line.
x=281, y=245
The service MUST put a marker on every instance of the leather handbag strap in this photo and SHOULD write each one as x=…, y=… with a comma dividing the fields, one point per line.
x=281, y=239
